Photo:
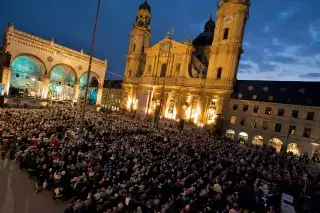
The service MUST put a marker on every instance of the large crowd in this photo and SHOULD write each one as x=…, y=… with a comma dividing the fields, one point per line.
x=121, y=164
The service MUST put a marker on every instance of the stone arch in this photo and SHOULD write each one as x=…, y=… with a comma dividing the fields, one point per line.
x=230, y=134
x=66, y=66
x=243, y=137
x=27, y=73
x=294, y=148
x=31, y=56
x=93, y=87
x=82, y=77
x=276, y=143
x=257, y=140
x=62, y=80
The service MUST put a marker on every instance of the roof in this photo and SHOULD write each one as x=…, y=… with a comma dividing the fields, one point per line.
x=114, y=84
x=285, y=92
x=145, y=6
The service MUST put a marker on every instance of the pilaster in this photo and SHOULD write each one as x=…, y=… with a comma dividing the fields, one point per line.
x=6, y=76
x=75, y=93
x=45, y=87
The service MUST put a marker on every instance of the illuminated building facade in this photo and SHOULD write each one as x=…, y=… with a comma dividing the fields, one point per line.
x=43, y=69
x=194, y=78
x=276, y=113
x=111, y=95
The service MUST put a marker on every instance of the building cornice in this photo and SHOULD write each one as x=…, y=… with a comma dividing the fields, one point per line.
x=52, y=47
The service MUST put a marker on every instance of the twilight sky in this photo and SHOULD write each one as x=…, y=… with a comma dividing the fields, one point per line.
x=282, y=39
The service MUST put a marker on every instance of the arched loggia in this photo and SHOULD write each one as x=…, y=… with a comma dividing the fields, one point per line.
x=93, y=87
x=62, y=80
x=27, y=73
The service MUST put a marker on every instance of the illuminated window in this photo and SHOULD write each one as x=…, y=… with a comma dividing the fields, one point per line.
x=307, y=132
x=292, y=129
x=240, y=95
x=268, y=111
x=256, y=109
x=233, y=120
x=253, y=123
x=251, y=88
x=265, y=89
x=270, y=98
x=254, y=97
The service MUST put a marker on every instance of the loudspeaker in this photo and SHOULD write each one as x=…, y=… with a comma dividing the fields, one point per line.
x=1, y=101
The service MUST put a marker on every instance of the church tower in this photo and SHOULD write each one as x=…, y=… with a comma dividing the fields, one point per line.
x=140, y=37
x=227, y=44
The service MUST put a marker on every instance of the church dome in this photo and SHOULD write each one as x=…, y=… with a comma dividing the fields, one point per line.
x=145, y=6
x=209, y=26
x=206, y=37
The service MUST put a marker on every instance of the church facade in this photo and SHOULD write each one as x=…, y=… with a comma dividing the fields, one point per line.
x=191, y=80
x=195, y=80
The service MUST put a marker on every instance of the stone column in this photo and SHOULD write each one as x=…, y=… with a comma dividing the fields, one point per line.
x=205, y=111
x=75, y=93
x=45, y=87
x=100, y=89
x=178, y=106
x=6, y=76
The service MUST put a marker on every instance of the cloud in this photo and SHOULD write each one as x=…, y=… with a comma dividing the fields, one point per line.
x=310, y=75
x=314, y=30
x=283, y=61
x=266, y=28
x=246, y=44
x=267, y=67
x=277, y=42
x=286, y=14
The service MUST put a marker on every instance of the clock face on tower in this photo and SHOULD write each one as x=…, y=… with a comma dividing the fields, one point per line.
x=227, y=20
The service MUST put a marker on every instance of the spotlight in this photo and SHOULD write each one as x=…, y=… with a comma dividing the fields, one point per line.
x=33, y=79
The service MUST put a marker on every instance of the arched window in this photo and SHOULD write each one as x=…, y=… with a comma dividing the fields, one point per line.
x=129, y=73
x=142, y=50
x=134, y=47
x=219, y=73
x=225, y=33
x=163, y=70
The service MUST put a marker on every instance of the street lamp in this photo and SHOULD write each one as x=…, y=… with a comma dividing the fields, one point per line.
x=159, y=111
x=81, y=127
